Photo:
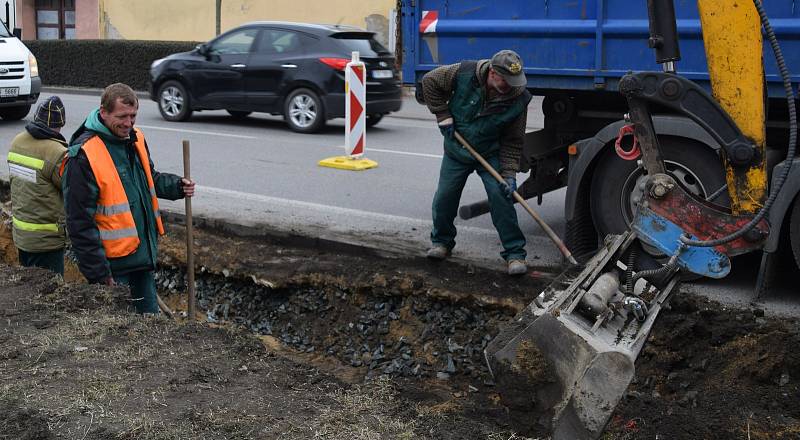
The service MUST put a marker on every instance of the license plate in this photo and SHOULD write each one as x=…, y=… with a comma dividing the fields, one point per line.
x=9, y=92
x=381, y=74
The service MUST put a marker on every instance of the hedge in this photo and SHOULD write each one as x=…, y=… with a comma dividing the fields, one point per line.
x=98, y=63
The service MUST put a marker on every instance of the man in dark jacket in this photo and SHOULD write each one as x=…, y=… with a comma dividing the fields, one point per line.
x=486, y=102
x=34, y=164
x=110, y=193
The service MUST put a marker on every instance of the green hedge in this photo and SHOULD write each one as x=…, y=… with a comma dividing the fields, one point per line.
x=98, y=63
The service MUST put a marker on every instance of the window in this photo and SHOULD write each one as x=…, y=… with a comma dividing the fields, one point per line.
x=275, y=41
x=236, y=42
x=362, y=42
x=55, y=19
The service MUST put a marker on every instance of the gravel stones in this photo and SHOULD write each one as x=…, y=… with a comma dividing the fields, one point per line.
x=380, y=331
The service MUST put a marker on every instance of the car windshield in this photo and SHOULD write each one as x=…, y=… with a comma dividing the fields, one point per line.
x=4, y=33
x=363, y=42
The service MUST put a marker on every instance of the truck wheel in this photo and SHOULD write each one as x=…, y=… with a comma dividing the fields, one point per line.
x=615, y=193
x=174, y=102
x=15, y=113
x=794, y=230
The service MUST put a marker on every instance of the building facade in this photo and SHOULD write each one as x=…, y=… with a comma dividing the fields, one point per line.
x=187, y=20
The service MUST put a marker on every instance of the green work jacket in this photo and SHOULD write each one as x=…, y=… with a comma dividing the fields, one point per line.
x=480, y=122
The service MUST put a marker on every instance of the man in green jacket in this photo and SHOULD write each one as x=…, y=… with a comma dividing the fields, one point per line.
x=110, y=190
x=34, y=164
x=486, y=101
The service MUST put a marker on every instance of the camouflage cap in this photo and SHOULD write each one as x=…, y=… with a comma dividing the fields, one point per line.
x=509, y=65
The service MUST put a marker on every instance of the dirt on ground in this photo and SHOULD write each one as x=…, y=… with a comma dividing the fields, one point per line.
x=296, y=341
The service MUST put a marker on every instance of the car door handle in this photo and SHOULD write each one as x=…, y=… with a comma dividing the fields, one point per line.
x=238, y=66
x=289, y=66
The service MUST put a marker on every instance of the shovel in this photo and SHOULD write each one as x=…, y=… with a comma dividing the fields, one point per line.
x=549, y=231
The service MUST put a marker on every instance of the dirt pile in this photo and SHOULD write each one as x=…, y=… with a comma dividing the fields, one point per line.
x=711, y=372
x=80, y=367
x=335, y=345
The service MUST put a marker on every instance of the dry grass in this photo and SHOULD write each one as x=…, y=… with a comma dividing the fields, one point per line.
x=363, y=412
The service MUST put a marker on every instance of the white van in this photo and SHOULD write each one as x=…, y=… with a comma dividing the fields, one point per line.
x=20, y=84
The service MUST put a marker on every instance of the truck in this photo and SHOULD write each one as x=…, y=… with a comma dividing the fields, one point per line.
x=574, y=55
x=709, y=171
x=20, y=84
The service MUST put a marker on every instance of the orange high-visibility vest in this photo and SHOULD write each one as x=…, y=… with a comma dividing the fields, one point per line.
x=113, y=216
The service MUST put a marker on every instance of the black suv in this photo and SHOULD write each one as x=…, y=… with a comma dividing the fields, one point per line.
x=292, y=69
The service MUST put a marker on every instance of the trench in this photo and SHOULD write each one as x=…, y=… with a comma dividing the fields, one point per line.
x=373, y=330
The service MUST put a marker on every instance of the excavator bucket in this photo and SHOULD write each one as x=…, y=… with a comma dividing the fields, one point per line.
x=570, y=354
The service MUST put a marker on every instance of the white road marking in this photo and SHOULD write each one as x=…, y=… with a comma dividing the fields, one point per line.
x=210, y=133
x=407, y=153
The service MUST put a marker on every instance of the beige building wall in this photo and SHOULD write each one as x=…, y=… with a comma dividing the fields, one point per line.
x=195, y=20
x=87, y=19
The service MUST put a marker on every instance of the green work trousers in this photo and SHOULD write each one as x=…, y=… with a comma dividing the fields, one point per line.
x=53, y=260
x=143, y=290
x=452, y=178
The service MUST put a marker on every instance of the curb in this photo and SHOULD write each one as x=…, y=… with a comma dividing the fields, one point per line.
x=86, y=91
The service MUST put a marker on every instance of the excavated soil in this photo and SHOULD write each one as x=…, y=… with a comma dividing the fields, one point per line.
x=297, y=340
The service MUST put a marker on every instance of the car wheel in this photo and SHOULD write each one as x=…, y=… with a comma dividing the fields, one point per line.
x=238, y=114
x=615, y=188
x=303, y=111
x=174, y=102
x=372, y=120
x=15, y=113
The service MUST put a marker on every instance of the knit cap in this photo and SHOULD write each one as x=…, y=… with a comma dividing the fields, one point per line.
x=50, y=113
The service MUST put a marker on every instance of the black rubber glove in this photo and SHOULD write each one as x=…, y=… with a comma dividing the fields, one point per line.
x=510, y=187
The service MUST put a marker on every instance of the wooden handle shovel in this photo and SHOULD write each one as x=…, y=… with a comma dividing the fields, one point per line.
x=552, y=235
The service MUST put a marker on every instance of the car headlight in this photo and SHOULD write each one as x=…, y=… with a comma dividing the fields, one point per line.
x=33, y=65
x=156, y=63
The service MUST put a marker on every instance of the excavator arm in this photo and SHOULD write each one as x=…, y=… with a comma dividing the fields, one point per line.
x=571, y=353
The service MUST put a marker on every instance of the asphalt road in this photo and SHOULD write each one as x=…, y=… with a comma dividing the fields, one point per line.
x=257, y=172
x=259, y=158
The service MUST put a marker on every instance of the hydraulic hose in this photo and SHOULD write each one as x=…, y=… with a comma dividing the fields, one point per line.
x=664, y=270
x=787, y=86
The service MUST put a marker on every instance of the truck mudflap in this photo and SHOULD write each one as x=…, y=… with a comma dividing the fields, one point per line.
x=570, y=354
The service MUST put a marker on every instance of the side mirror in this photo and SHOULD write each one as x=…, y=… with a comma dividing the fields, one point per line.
x=17, y=33
x=202, y=49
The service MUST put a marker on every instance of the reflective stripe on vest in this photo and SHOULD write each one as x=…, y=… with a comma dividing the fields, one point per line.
x=113, y=216
x=34, y=227
x=26, y=161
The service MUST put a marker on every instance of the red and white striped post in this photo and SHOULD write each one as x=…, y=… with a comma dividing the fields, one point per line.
x=355, y=102
x=355, y=116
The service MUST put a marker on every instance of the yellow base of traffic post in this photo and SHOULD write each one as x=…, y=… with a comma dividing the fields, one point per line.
x=348, y=163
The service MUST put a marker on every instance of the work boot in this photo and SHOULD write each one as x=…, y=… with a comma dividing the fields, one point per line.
x=517, y=267
x=438, y=252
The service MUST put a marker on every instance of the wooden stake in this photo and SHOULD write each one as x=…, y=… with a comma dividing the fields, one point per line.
x=189, y=236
